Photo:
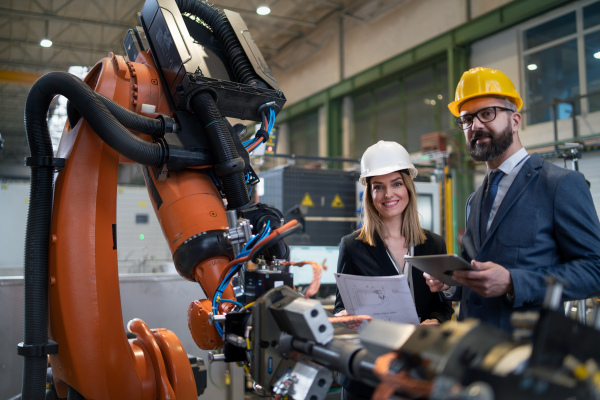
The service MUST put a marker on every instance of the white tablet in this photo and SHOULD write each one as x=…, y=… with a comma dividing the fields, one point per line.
x=440, y=266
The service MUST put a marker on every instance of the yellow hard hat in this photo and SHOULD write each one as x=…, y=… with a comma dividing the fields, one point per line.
x=479, y=82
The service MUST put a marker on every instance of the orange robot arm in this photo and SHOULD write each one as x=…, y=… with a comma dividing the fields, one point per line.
x=94, y=356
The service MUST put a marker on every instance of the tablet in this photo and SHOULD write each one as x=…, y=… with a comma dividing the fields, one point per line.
x=440, y=266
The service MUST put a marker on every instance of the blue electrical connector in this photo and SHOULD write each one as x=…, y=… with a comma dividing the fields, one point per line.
x=234, y=270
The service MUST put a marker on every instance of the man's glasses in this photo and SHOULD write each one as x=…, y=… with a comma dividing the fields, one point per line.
x=487, y=114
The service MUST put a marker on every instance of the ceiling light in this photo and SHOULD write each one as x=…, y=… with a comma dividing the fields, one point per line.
x=532, y=67
x=46, y=43
x=263, y=10
x=597, y=55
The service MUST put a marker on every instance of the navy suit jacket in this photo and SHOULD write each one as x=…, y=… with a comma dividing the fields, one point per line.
x=358, y=258
x=545, y=225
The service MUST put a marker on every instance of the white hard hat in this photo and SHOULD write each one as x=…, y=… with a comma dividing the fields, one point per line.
x=385, y=157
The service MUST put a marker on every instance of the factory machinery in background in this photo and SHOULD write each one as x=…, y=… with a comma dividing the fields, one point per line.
x=191, y=66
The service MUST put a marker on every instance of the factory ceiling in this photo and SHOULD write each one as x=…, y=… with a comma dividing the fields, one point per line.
x=84, y=31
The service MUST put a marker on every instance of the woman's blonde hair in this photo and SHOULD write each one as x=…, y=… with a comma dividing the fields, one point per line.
x=371, y=222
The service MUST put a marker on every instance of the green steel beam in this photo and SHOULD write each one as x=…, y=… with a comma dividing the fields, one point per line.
x=460, y=161
x=334, y=127
x=497, y=20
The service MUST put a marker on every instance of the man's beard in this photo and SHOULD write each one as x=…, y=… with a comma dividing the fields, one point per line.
x=493, y=149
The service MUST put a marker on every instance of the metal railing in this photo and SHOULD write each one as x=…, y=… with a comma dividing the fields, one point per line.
x=575, y=103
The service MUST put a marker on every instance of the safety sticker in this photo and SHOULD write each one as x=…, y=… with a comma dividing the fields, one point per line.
x=307, y=201
x=337, y=202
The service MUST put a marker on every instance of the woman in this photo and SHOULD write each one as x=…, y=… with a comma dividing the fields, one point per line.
x=390, y=231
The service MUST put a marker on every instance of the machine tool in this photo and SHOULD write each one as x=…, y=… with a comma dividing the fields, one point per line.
x=189, y=66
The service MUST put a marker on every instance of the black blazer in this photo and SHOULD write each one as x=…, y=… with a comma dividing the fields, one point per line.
x=358, y=258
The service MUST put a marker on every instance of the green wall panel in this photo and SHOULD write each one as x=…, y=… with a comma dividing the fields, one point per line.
x=502, y=18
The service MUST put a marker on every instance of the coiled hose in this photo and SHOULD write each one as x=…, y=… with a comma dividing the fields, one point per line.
x=218, y=22
x=139, y=123
x=40, y=205
x=229, y=166
x=98, y=116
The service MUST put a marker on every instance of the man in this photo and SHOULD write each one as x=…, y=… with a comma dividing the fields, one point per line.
x=528, y=220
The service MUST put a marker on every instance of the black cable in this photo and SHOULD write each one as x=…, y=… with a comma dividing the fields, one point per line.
x=229, y=166
x=131, y=120
x=94, y=111
x=274, y=240
x=253, y=241
x=40, y=204
x=223, y=31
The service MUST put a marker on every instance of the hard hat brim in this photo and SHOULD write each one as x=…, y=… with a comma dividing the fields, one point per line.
x=454, y=106
x=413, y=172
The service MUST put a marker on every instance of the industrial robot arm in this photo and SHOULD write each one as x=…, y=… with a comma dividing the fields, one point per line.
x=163, y=109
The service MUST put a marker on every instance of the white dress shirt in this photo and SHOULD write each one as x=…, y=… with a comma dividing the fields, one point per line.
x=511, y=168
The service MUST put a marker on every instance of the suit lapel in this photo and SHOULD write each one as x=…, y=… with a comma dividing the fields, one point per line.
x=379, y=253
x=525, y=176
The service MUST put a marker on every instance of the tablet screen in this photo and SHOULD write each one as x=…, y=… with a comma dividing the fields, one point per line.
x=440, y=266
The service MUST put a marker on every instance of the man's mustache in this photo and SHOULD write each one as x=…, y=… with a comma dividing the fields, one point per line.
x=480, y=135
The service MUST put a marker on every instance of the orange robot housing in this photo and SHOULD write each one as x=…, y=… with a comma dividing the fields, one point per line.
x=95, y=357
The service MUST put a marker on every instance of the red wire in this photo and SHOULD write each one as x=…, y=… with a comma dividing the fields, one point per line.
x=254, y=145
x=274, y=233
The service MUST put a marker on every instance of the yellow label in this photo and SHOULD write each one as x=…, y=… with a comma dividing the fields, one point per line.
x=307, y=201
x=143, y=204
x=337, y=202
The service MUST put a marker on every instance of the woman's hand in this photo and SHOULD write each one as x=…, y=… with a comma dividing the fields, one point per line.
x=432, y=321
x=434, y=284
x=350, y=325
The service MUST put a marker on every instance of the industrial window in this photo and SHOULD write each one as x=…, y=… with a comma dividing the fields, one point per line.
x=304, y=134
x=402, y=109
x=561, y=60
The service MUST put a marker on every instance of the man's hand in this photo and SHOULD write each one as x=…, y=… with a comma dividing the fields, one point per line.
x=434, y=284
x=492, y=280
x=349, y=325
x=431, y=321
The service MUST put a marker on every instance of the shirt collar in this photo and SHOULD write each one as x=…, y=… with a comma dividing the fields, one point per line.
x=511, y=162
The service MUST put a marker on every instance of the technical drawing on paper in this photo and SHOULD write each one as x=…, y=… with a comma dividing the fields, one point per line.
x=371, y=297
x=382, y=297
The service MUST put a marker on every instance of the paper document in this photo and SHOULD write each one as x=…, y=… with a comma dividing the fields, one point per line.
x=383, y=297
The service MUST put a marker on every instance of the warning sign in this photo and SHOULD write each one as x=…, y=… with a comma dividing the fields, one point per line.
x=307, y=201
x=337, y=202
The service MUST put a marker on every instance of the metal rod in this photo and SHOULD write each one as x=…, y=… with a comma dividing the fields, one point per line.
x=212, y=357
x=212, y=318
x=574, y=119
x=595, y=320
x=581, y=311
x=555, y=124
x=552, y=299
x=232, y=221
x=567, y=308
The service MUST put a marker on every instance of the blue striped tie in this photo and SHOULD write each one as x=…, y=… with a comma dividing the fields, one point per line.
x=488, y=201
